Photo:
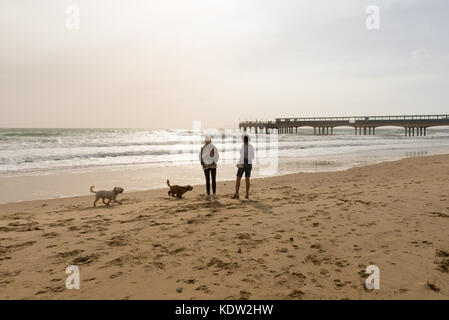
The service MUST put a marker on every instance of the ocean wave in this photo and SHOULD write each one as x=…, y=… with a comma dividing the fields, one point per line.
x=45, y=149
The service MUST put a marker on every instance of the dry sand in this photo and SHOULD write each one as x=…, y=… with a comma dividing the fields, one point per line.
x=301, y=236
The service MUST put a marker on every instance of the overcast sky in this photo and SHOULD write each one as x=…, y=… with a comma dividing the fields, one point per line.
x=163, y=64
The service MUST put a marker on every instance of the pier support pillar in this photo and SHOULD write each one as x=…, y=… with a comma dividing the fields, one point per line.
x=332, y=130
x=425, y=131
x=374, y=131
x=355, y=128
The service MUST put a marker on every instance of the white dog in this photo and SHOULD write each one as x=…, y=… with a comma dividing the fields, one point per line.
x=111, y=195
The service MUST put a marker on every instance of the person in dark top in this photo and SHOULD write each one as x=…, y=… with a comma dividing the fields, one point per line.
x=245, y=165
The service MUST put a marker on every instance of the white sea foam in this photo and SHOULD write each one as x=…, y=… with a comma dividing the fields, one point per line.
x=24, y=151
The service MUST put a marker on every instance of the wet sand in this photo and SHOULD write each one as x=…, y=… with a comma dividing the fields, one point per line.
x=300, y=236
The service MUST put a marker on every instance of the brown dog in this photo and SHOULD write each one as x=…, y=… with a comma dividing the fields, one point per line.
x=178, y=191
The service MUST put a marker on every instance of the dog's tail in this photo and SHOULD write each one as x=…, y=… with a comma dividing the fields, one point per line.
x=92, y=189
x=168, y=183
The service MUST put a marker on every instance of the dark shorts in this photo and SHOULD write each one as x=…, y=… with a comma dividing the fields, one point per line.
x=247, y=169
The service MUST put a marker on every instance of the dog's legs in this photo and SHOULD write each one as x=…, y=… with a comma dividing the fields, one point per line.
x=114, y=199
x=95, y=202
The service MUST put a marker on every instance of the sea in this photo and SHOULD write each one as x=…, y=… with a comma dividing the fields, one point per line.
x=144, y=158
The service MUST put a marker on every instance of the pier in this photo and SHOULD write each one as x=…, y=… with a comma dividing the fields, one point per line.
x=414, y=125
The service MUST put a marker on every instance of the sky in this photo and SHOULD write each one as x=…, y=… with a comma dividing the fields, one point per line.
x=165, y=64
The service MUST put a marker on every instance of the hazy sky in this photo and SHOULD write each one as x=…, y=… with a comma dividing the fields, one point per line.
x=157, y=64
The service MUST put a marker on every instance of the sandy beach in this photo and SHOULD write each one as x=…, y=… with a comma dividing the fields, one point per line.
x=300, y=236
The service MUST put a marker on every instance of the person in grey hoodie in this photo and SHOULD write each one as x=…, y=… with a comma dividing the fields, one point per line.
x=209, y=158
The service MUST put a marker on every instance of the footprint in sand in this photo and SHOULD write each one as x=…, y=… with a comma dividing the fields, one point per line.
x=203, y=288
x=245, y=295
x=442, y=261
x=85, y=260
x=432, y=286
x=69, y=253
x=117, y=241
x=115, y=275
x=296, y=294
x=50, y=235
